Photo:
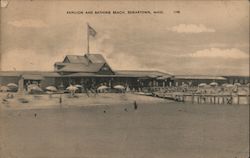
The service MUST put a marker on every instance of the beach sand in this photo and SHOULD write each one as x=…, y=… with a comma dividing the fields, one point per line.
x=108, y=126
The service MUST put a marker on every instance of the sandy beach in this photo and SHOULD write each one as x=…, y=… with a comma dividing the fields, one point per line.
x=81, y=99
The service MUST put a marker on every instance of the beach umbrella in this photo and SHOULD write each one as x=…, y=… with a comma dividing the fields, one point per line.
x=202, y=84
x=119, y=87
x=10, y=85
x=71, y=88
x=213, y=84
x=4, y=89
x=33, y=88
x=102, y=88
x=51, y=88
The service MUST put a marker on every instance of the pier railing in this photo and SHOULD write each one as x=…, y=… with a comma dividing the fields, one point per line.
x=207, y=98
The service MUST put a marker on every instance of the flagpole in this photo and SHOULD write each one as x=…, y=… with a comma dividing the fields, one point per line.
x=87, y=38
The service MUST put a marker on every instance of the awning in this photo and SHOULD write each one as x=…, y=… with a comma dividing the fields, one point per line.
x=33, y=77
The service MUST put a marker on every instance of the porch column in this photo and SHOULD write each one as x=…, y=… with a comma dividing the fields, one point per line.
x=20, y=85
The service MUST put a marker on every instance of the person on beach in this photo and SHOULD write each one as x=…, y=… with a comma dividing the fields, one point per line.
x=60, y=99
x=135, y=105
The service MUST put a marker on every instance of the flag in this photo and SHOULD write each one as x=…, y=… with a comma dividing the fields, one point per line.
x=91, y=31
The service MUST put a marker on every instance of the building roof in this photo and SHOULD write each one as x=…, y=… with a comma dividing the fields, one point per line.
x=93, y=67
x=199, y=77
x=33, y=77
x=76, y=59
x=143, y=73
x=79, y=74
x=164, y=77
x=84, y=59
x=19, y=73
x=84, y=74
x=86, y=63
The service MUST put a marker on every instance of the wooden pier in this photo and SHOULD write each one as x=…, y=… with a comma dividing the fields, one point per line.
x=206, y=98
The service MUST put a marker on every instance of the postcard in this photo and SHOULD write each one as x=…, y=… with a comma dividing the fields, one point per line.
x=124, y=79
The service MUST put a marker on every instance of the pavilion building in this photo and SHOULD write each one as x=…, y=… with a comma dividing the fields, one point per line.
x=87, y=70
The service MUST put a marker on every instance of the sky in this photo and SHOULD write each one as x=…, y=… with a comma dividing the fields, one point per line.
x=188, y=37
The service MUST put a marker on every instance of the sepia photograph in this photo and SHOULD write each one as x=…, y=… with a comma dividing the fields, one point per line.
x=124, y=79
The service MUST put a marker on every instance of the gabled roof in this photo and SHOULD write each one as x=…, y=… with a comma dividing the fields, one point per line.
x=86, y=63
x=93, y=67
x=76, y=59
